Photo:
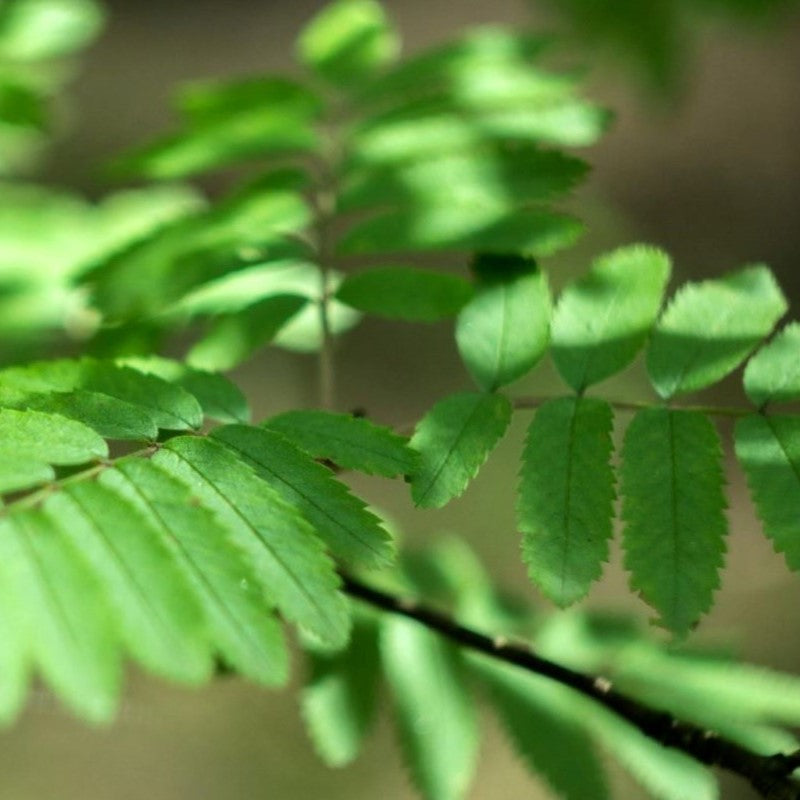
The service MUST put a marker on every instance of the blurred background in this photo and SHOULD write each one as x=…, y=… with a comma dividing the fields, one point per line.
x=708, y=170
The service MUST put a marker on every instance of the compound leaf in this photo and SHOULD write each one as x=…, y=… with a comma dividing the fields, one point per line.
x=347, y=441
x=603, y=319
x=454, y=439
x=773, y=374
x=673, y=509
x=504, y=330
x=768, y=448
x=435, y=715
x=415, y=295
x=241, y=624
x=340, y=519
x=710, y=327
x=566, y=496
x=287, y=557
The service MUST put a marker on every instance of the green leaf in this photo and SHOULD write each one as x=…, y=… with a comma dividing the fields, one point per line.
x=542, y=721
x=493, y=227
x=348, y=42
x=14, y=657
x=768, y=448
x=415, y=295
x=673, y=509
x=504, y=330
x=65, y=629
x=233, y=338
x=32, y=30
x=347, y=441
x=240, y=621
x=341, y=520
x=454, y=439
x=709, y=328
x=219, y=398
x=435, y=715
x=773, y=374
x=156, y=613
x=566, y=496
x=603, y=319
x=167, y=405
x=339, y=702
x=287, y=557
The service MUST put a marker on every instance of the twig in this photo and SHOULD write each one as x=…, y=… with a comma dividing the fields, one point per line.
x=770, y=776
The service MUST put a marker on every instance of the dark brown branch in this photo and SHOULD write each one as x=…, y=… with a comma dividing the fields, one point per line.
x=771, y=776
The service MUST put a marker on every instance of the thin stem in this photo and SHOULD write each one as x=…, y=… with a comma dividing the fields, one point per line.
x=770, y=776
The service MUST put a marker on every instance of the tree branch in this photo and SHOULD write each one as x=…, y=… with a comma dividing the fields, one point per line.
x=770, y=776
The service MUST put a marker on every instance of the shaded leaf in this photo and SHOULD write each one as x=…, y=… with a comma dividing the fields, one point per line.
x=602, y=319
x=773, y=374
x=709, y=328
x=347, y=441
x=454, y=439
x=566, y=496
x=673, y=509
x=340, y=519
x=415, y=295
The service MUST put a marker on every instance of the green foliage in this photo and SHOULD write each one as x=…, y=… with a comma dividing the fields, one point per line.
x=132, y=526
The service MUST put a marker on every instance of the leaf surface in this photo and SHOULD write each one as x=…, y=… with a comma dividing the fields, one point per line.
x=603, y=319
x=347, y=441
x=340, y=519
x=710, y=327
x=566, y=496
x=673, y=509
x=773, y=374
x=454, y=439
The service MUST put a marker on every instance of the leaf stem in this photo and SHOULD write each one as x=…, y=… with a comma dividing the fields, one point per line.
x=530, y=402
x=769, y=775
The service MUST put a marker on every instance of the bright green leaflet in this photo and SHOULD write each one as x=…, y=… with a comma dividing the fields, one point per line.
x=603, y=318
x=414, y=295
x=14, y=657
x=66, y=631
x=240, y=622
x=709, y=328
x=768, y=448
x=339, y=702
x=348, y=41
x=341, y=520
x=157, y=615
x=454, y=439
x=566, y=496
x=673, y=509
x=773, y=374
x=541, y=720
x=347, y=441
x=234, y=338
x=287, y=557
x=435, y=715
x=504, y=330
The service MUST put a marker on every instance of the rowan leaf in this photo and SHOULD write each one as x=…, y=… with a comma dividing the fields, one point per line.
x=153, y=608
x=281, y=546
x=673, y=510
x=340, y=519
x=340, y=700
x=566, y=496
x=454, y=439
x=347, y=441
x=240, y=620
x=768, y=448
x=602, y=320
x=415, y=295
x=435, y=714
x=504, y=330
x=772, y=375
x=709, y=328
